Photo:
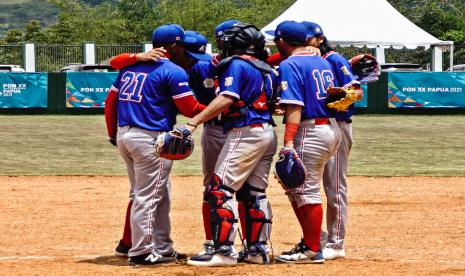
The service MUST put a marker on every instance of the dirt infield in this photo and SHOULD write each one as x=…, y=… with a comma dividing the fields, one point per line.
x=70, y=225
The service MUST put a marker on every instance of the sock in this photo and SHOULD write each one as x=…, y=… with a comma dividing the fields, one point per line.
x=241, y=209
x=206, y=220
x=312, y=218
x=296, y=212
x=127, y=227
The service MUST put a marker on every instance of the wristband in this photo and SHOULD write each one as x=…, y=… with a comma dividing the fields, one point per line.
x=192, y=125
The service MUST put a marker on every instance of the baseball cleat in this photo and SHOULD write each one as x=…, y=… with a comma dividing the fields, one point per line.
x=208, y=248
x=255, y=254
x=225, y=256
x=333, y=253
x=175, y=254
x=121, y=250
x=150, y=259
x=303, y=255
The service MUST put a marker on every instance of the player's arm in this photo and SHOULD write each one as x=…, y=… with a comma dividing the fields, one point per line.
x=111, y=114
x=292, y=117
x=182, y=94
x=344, y=76
x=126, y=59
x=218, y=105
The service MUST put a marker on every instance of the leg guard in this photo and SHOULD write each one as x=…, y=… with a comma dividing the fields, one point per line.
x=223, y=217
x=257, y=217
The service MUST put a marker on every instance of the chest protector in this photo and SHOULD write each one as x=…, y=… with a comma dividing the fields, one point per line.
x=263, y=102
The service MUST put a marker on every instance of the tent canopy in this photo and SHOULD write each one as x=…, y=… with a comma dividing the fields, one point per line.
x=359, y=23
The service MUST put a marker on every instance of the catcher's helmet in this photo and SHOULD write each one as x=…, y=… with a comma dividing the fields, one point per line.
x=243, y=38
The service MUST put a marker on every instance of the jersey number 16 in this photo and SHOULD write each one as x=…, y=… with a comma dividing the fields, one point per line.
x=323, y=79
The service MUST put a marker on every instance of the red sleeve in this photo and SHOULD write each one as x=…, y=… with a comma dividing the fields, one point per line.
x=274, y=59
x=123, y=60
x=111, y=113
x=189, y=106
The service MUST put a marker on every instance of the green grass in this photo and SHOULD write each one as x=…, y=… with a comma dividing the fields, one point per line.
x=383, y=146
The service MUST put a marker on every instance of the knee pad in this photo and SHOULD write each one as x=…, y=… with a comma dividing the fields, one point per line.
x=256, y=212
x=222, y=218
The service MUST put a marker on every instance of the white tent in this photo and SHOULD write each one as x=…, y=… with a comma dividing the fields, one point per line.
x=361, y=23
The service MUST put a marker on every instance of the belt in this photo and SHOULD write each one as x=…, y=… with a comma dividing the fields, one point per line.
x=256, y=125
x=321, y=121
x=214, y=122
x=348, y=121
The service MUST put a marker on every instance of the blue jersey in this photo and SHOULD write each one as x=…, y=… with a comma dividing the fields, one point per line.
x=147, y=92
x=202, y=81
x=245, y=84
x=304, y=79
x=344, y=78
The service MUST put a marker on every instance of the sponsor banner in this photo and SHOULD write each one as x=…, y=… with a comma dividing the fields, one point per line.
x=426, y=90
x=364, y=101
x=23, y=90
x=88, y=89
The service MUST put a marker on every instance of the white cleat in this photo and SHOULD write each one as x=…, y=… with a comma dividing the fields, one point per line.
x=333, y=254
x=301, y=254
x=224, y=256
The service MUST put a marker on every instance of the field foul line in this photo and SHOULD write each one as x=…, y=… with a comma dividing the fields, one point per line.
x=10, y=258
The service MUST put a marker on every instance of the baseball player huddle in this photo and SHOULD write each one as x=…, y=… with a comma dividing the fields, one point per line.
x=234, y=95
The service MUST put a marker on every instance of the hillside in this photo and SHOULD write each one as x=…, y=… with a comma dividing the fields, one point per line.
x=14, y=14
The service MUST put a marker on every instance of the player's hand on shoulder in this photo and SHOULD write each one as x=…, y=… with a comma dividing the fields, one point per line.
x=152, y=55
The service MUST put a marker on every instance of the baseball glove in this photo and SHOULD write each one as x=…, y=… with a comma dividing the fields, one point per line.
x=177, y=144
x=289, y=169
x=340, y=98
x=365, y=68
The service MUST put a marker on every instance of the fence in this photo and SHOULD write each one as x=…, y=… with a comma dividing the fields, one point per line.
x=104, y=52
x=11, y=54
x=51, y=58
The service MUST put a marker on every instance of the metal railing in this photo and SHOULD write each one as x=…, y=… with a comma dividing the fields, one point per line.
x=105, y=52
x=51, y=58
x=11, y=54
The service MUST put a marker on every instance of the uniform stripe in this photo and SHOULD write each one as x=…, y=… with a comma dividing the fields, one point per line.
x=229, y=93
x=114, y=88
x=236, y=143
x=338, y=200
x=292, y=102
x=152, y=203
x=302, y=144
x=182, y=95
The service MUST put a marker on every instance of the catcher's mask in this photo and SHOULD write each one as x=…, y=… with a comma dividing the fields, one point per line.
x=243, y=39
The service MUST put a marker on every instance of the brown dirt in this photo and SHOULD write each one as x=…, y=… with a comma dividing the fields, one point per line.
x=71, y=225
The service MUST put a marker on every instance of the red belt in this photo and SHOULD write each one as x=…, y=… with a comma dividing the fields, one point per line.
x=256, y=125
x=322, y=121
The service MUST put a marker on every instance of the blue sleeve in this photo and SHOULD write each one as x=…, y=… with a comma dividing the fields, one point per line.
x=116, y=83
x=230, y=80
x=291, y=85
x=343, y=71
x=178, y=82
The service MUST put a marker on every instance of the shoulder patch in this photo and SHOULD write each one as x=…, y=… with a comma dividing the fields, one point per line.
x=209, y=83
x=228, y=81
x=284, y=85
x=345, y=71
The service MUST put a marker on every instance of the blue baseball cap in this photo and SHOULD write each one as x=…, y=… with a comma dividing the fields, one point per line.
x=197, y=50
x=313, y=29
x=291, y=32
x=225, y=25
x=171, y=33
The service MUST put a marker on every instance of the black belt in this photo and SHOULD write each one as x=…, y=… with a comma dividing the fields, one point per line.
x=214, y=122
x=348, y=121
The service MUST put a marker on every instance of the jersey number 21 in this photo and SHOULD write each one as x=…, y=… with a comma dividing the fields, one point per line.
x=132, y=86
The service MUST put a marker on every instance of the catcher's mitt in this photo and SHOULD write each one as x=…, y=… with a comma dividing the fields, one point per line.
x=341, y=98
x=177, y=144
x=365, y=68
x=289, y=169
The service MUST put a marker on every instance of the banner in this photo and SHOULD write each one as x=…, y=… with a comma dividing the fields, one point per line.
x=427, y=90
x=364, y=101
x=23, y=90
x=88, y=89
